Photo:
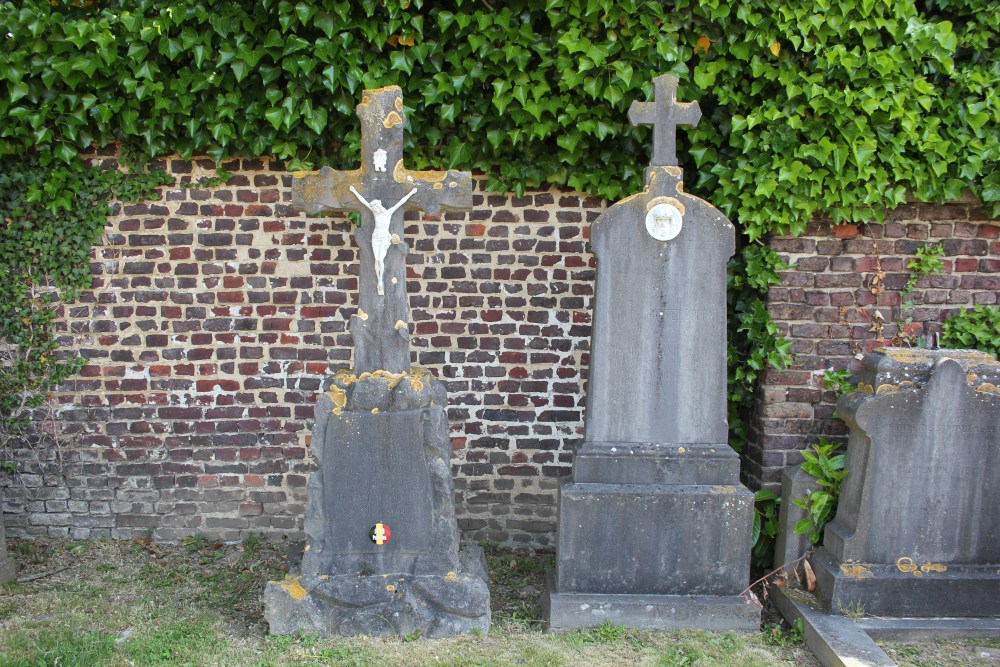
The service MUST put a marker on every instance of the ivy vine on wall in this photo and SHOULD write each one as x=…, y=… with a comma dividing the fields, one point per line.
x=843, y=109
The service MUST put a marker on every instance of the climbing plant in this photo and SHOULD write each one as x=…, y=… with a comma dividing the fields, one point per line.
x=49, y=219
x=843, y=108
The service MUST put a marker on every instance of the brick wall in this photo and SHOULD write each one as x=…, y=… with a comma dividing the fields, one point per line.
x=840, y=277
x=216, y=313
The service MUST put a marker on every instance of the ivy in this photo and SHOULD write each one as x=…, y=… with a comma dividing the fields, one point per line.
x=976, y=329
x=49, y=220
x=843, y=108
x=826, y=466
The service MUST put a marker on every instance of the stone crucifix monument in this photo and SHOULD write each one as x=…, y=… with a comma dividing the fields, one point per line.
x=654, y=526
x=382, y=552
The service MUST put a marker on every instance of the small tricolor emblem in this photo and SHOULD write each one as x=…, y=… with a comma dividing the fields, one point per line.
x=379, y=533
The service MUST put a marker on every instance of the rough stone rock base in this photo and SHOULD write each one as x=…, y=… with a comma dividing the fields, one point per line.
x=7, y=570
x=883, y=589
x=383, y=604
x=568, y=611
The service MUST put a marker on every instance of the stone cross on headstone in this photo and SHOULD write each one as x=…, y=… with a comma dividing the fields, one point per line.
x=664, y=113
x=381, y=191
x=653, y=524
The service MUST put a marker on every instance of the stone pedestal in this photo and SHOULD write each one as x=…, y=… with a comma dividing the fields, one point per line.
x=8, y=571
x=382, y=552
x=916, y=532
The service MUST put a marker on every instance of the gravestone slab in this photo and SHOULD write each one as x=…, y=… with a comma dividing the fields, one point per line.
x=654, y=526
x=916, y=531
x=8, y=571
x=382, y=554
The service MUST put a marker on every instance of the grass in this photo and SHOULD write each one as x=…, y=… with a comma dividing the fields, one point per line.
x=200, y=603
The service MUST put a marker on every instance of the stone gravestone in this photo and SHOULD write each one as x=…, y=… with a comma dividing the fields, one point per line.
x=382, y=552
x=7, y=569
x=917, y=531
x=654, y=526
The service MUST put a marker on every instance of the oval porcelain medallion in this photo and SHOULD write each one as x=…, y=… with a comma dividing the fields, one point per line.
x=663, y=222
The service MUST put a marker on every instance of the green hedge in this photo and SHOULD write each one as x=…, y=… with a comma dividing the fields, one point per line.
x=842, y=108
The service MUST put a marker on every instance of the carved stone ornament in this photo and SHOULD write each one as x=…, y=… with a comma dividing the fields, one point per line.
x=663, y=222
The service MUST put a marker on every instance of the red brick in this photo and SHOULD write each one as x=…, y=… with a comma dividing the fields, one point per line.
x=846, y=231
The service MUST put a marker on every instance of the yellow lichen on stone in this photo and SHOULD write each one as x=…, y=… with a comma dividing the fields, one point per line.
x=866, y=388
x=339, y=398
x=451, y=576
x=906, y=564
x=392, y=120
x=417, y=379
x=294, y=589
x=399, y=174
x=374, y=411
x=395, y=239
x=681, y=450
x=933, y=567
x=887, y=389
x=398, y=103
x=858, y=571
x=390, y=588
x=361, y=315
x=988, y=388
x=437, y=186
x=391, y=378
x=400, y=324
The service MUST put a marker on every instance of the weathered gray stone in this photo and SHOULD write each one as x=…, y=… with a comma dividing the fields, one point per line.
x=391, y=467
x=916, y=531
x=455, y=603
x=654, y=509
x=655, y=612
x=834, y=639
x=382, y=550
x=8, y=571
x=789, y=546
x=380, y=328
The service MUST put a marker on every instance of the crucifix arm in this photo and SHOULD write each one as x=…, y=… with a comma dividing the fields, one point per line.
x=402, y=201
x=363, y=200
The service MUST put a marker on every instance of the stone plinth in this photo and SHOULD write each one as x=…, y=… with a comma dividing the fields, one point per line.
x=8, y=572
x=382, y=551
x=916, y=532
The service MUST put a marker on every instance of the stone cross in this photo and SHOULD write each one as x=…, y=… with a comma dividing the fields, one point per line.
x=381, y=191
x=664, y=113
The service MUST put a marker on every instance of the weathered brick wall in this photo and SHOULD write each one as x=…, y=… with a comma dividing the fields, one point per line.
x=216, y=313
x=840, y=277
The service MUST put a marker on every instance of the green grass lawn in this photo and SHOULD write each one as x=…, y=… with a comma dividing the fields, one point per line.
x=197, y=603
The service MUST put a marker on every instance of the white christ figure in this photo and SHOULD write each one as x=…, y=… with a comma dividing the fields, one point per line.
x=380, y=236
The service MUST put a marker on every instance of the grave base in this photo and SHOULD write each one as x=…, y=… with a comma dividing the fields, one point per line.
x=881, y=589
x=567, y=611
x=8, y=572
x=383, y=604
